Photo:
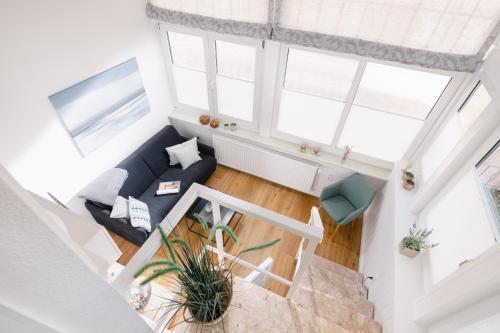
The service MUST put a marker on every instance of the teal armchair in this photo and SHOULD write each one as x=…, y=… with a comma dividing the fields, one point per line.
x=346, y=200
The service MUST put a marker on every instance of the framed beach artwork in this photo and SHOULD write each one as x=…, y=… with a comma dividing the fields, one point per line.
x=97, y=109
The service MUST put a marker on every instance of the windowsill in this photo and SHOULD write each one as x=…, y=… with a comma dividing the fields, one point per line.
x=284, y=147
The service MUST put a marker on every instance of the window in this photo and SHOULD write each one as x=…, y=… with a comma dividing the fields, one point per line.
x=454, y=129
x=214, y=74
x=397, y=100
x=375, y=109
x=235, y=79
x=489, y=175
x=187, y=54
x=315, y=89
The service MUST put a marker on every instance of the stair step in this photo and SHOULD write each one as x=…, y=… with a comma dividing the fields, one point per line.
x=334, y=310
x=323, y=280
x=355, y=298
x=312, y=323
x=329, y=265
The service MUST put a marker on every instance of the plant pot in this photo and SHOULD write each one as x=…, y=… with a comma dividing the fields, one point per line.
x=406, y=251
x=202, y=325
x=409, y=185
x=407, y=175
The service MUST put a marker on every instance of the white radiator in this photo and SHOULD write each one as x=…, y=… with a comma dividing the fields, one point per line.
x=264, y=163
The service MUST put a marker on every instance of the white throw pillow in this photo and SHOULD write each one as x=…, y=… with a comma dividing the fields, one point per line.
x=104, y=189
x=171, y=150
x=187, y=156
x=139, y=214
x=120, y=209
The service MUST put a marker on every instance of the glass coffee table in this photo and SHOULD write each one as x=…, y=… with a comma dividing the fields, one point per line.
x=203, y=208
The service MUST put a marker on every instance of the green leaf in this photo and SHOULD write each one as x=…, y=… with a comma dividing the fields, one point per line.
x=159, y=273
x=227, y=229
x=167, y=244
x=261, y=247
x=201, y=220
x=153, y=264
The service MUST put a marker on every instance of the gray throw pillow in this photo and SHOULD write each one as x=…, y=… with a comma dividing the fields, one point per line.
x=104, y=189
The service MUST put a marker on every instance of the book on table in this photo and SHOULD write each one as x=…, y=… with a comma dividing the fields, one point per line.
x=169, y=187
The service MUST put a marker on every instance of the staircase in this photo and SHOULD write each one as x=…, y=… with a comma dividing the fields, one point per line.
x=335, y=294
x=330, y=299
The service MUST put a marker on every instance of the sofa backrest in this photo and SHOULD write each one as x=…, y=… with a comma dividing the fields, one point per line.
x=139, y=178
x=153, y=151
x=148, y=162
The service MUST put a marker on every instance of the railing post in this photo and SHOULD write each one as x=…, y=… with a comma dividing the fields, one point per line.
x=218, y=234
x=302, y=266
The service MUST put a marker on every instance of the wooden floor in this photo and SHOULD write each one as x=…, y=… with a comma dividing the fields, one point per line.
x=344, y=249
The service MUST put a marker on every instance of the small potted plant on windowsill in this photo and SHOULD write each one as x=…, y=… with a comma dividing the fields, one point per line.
x=415, y=242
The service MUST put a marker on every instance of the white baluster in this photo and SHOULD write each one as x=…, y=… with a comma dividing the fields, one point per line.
x=218, y=234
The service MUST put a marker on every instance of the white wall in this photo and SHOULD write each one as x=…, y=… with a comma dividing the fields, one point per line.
x=398, y=279
x=50, y=45
x=46, y=280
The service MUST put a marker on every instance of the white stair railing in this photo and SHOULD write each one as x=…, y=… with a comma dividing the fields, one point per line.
x=312, y=232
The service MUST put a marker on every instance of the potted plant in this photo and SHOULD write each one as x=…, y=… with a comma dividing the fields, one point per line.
x=203, y=288
x=415, y=242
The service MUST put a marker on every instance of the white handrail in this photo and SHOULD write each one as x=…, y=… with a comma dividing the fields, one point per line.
x=247, y=264
x=313, y=232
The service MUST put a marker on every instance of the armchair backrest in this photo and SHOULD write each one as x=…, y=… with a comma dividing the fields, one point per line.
x=358, y=191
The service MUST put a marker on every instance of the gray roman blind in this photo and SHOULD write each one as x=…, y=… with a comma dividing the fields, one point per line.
x=444, y=34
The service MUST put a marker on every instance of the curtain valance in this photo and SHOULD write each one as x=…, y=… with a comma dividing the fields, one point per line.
x=444, y=34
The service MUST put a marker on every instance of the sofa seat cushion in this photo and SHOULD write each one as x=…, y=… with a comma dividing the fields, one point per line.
x=159, y=205
x=196, y=173
x=338, y=207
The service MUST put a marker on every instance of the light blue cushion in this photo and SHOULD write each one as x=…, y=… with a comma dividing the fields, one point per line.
x=139, y=214
x=104, y=189
x=338, y=207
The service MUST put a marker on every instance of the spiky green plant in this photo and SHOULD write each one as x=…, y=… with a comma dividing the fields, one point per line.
x=417, y=239
x=203, y=286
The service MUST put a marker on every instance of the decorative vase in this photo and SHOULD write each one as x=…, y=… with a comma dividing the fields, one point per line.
x=406, y=251
x=232, y=127
x=316, y=151
x=138, y=296
x=204, y=119
x=303, y=148
x=215, y=123
x=226, y=127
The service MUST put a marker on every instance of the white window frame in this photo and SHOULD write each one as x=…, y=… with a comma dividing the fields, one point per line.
x=209, y=39
x=164, y=29
x=456, y=79
x=257, y=44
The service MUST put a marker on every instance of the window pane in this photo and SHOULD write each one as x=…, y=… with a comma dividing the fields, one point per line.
x=235, y=79
x=379, y=134
x=309, y=117
x=235, y=60
x=401, y=91
x=475, y=105
x=235, y=98
x=188, y=66
x=319, y=74
x=191, y=87
x=489, y=175
x=187, y=51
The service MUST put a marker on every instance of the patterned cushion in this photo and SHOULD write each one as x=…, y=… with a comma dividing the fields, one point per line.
x=139, y=214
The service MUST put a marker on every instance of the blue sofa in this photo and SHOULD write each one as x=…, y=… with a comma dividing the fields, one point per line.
x=147, y=167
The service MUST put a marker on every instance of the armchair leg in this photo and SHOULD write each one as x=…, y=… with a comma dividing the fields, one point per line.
x=335, y=231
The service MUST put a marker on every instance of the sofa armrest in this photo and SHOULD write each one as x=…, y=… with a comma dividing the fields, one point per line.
x=206, y=149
